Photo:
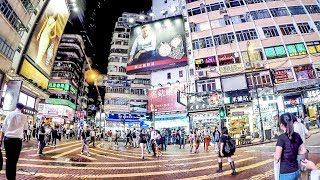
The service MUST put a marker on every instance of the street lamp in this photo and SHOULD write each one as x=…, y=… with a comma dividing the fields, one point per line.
x=250, y=50
x=92, y=75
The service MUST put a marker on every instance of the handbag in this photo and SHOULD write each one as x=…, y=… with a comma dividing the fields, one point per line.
x=276, y=169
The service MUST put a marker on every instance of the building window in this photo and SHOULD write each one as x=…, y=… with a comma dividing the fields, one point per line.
x=253, y=1
x=180, y=73
x=6, y=49
x=313, y=47
x=195, y=44
x=296, y=10
x=27, y=5
x=215, y=6
x=304, y=28
x=196, y=11
x=12, y=17
x=245, y=35
x=259, y=80
x=270, y=31
x=288, y=29
x=317, y=23
x=296, y=49
x=241, y=18
x=120, y=51
x=278, y=12
x=124, y=60
x=275, y=52
x=260, y=14
x=223, y=39
x=234, y=3
x=168, y=75
x=190, y=1
x=206, y=85
x=118, y=42
x=312, y=9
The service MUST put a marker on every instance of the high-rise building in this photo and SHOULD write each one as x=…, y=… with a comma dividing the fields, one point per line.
x=67, y=86
x=260, y=58
x=18, y=20
x=125, y=97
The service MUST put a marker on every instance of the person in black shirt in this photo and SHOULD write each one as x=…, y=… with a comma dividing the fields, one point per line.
x=222, y=153
x=54, y=134
x=289, y=145
x=85, y=138
x=41, y=137
x=143, y=141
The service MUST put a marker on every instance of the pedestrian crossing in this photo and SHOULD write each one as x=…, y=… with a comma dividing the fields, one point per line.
x=66, y=162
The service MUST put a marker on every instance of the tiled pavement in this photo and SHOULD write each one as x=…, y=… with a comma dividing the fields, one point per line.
x=107, y=162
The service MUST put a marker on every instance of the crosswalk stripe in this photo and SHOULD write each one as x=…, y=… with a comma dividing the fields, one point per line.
x=62, y=144
x=211, y=176
x=95, y=150
x=57, y=149
x=90, y=158
x=65, y=153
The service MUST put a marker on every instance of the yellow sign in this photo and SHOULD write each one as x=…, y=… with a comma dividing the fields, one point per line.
x=231, y=69
x=30, y=72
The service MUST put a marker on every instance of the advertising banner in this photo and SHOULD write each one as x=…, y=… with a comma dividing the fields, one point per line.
x=44, y=41
x=231, y=69
x=12, y=95
x=255, y=55
x=304, y=72
x=55, y=110
x=283, y=76
x=157, y=45
x=200, y=103
x=30, y=72
x=138, y=107
x=165, y=99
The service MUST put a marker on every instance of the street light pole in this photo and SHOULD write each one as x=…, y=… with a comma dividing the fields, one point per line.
x=256, y=92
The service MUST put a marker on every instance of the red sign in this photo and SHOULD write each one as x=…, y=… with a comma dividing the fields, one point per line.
x=165, y=99
x=80, y=114
x=283, y=76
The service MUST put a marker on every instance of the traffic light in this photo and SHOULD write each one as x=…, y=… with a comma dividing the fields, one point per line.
x=227, y=108
x=149, y=116
x=222, y=113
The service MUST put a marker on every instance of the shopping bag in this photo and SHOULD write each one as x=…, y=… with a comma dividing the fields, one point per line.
x=276, y=169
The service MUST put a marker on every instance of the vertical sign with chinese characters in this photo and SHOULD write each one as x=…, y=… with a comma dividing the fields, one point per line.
x=165, y=99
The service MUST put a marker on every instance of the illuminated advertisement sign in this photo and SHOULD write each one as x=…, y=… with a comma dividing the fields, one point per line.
x=30, y=72
x=62, y=87
x=55, y=110
x=165, y=99
x=255, y=55
x=275, y=52
x=231, y=68
x=61, y=102
x=12, y=95
x=283, y=76
x=304, y=72
x=296, y=49
x=44, y=41
x=157, y=45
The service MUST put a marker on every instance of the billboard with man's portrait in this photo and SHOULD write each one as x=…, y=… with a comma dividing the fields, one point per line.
x=44, y=41
x=157, y=45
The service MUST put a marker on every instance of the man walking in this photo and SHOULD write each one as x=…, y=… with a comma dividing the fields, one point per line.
x=153, y=135
x=41, y=138
x=92, y=136
x=12, y=135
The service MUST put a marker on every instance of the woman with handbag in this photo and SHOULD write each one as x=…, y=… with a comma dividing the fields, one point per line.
x=288, y=146
x=215, y=137
x=85, y=139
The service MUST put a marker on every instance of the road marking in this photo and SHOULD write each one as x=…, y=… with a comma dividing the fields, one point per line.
x=57, y=149
x=90, y=158
x=262, y=176
x=62, y=144
x=105, y=153
x=48, y=175
x=65, y=153
x=211, y=176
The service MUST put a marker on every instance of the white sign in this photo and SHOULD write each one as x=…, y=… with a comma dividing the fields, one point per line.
x=12, y=95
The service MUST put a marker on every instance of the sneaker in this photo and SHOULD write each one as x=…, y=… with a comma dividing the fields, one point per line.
x=88, y=155
x=81, y=153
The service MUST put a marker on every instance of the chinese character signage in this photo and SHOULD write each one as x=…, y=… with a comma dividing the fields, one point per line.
x=200, y=103
x=255, y=55
x=62, y=87
x=240, y=99
x=304, y=72
x=165, y=99
x=157, y=45
x=283, y=76
x=292, y=100
x=231, y=68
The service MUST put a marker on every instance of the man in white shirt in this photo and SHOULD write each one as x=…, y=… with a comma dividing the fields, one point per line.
x=92, y=136
x=144, y=45
x=153, y=135
x=12, y=135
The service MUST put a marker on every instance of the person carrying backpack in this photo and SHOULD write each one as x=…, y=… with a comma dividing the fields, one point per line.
x=227, y=148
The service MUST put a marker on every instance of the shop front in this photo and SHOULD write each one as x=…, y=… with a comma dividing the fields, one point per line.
x=311, y=100
x=293, y=104
x=56, y=115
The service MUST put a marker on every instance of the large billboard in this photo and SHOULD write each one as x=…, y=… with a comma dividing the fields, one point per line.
x=12, y=95
x=45, y=37
x=157, y=45
x=165, y=99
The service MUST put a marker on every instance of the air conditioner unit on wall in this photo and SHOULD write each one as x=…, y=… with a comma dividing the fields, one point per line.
x=202, y=73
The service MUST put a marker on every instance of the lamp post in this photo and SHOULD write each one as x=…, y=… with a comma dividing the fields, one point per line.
x=249, y=49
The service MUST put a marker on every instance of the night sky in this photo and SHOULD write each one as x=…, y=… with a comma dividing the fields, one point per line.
x=106, y=16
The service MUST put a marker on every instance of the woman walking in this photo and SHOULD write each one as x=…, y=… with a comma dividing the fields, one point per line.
x=215, y=137
x=191, y=140
x=206, y=139
x=197, y=140
x=85, y=139
x=158, y=144
x=224, y=141
x=289, y=146
x=143, y=141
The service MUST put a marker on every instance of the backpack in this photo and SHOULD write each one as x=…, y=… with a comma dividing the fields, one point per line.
x=230, y=145
x=134, y=135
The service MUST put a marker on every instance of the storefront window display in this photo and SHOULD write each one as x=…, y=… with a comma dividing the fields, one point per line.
x=294, y=105
x=311, y=99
